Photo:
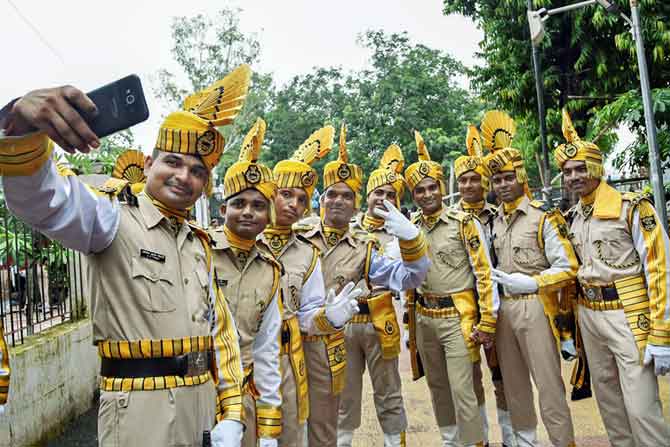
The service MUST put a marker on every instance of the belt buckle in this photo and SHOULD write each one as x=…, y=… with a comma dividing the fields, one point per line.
x=196, y=363
x=592, y=293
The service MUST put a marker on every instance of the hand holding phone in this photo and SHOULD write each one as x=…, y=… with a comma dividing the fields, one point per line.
x=75, y=121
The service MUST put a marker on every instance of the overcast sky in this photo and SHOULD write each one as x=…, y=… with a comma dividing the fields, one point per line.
x=89, y=44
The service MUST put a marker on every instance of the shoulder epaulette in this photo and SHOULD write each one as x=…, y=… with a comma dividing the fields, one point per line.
x=542, y=205
x=458, y=215
x=635, y=198
x=367, y=238
x=308, y=241
x=199, y=231
x=415, y=218
x=305, y=225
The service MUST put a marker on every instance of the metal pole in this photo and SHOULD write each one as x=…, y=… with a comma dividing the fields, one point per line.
x=567, y=8
x=539, y=88
x=655, y=173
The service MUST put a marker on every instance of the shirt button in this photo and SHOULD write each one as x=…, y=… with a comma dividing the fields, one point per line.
x=194, y=317
x=185, y=280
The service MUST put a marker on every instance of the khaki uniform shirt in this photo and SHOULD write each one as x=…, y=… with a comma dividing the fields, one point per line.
x=460, y=262
x=146, y=283
x=615, y=250
x=252, y=293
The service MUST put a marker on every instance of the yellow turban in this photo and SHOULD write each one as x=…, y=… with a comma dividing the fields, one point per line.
x=246, y=172
x=129, y=166
x=341, y=170
x=424, y=168
x=297, y=172
x=498, y=130
x=193, y=130
x=578, y=150
x=389, y=172
x=474, y=161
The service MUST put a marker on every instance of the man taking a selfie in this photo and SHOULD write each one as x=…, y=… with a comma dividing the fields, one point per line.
x=163, y=329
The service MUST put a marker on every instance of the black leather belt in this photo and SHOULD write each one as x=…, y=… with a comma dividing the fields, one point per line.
x=187, y=365
x=436, y=303
x=363, y=308
x=595, y=293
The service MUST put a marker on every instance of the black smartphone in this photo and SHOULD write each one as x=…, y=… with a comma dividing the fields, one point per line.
x=121, y=105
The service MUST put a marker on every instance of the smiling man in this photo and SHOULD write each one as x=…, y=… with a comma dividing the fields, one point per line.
x=535, y=259
x=372, y=338
x=347, y=257
x=472, y=177
x=163, y=330
x=623, y=308
x=454, y=310
x=305, y=308
x=250, y=278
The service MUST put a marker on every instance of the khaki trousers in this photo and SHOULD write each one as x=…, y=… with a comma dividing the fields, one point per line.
x=626, y=391
x=526, y=347
x=172, y=417
x=496, y=379
x=323, y=404
x=249, y=438
x=362, y=345
x=292, y=432
x=448, y=367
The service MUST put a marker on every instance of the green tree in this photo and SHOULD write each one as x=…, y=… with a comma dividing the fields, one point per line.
x=408, y=86
x=587, y=57
x=205, y=50
x=102, y=160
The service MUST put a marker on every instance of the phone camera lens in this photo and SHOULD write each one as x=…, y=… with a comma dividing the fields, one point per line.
x=130, y=99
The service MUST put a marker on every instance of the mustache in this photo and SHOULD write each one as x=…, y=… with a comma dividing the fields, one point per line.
x=172, y=182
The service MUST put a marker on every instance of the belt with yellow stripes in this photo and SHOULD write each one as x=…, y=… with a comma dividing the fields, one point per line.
x=436, y=306
x=155, y=364
x=524, y=296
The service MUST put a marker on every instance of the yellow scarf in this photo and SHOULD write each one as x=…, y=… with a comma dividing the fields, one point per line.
x=472, y=208
x=332, y=235
x=430, y=220
x=174, y=216
x=277, y=238
x=510, y=207
x=371, y=223
x=241, y=247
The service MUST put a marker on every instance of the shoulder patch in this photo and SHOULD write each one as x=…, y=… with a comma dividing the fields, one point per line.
x=308, y=241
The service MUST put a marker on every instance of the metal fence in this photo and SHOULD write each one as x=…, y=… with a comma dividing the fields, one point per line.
x=41, y=283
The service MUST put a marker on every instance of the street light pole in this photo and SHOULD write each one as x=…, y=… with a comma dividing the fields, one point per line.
x=539, y=88
x=655, y=173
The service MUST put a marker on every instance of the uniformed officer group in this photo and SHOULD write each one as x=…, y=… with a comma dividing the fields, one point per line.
x=260, y=330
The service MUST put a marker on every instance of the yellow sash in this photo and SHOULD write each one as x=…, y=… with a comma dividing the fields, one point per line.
x=385, y=323
x=337, y=359
x=297, y=357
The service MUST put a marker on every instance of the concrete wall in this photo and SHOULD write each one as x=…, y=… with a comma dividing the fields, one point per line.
x=54, y=377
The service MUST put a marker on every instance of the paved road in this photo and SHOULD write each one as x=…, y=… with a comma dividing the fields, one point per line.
x=422, y=429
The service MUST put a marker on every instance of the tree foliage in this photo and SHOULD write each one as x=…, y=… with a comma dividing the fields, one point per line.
x=205, y=49
x=587, y=58
x=104, y=158
x=407, y=86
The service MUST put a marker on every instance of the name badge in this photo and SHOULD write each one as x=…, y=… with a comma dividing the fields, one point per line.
x=152, y=255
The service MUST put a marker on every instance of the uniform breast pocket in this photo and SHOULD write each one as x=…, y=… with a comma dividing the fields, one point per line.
x=525, y=251
x=292, y=292
x=451, y=252
x=614, y=250
x=157, y=283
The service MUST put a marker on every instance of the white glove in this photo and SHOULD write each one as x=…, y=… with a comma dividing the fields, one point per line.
x=227, y=433
x=267, y=442
x=340, y=308
x=661, y=357
x=397, y=224
x=568, y=350
x=2, y=409
x=515, y=283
